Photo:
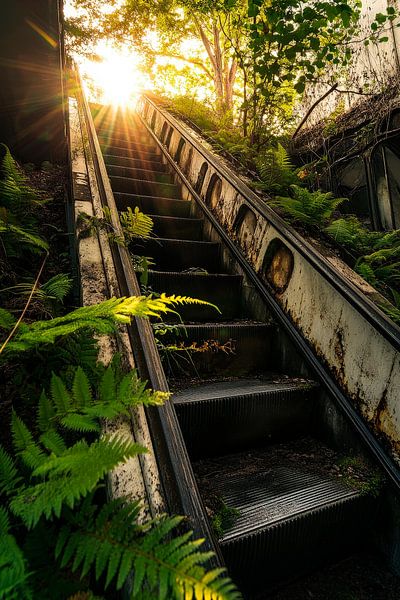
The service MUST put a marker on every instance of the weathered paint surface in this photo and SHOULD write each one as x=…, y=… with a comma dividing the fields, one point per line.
x=365, y=364
x=137, y=478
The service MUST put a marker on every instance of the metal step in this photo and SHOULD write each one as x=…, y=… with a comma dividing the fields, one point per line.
x=154, y=204
x=226, y=349
x=134, y=163
x=125, y=140
x=179, y=255
x=178, y=228
x=146, y=188
x=221, y=289
x=153, y=156
x=236, y=415
x=129, y=146
x=142, y=174
x=289, y=517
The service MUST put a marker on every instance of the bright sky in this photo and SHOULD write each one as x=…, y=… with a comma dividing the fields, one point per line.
x=118, y=77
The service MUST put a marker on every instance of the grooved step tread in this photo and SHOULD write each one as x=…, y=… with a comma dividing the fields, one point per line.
x=179, y=228
x=241, y=387
x=173, y=207
x=144, y=187
x=278, y=494
x=173, y=254
x=142, y=174
x=237, y=415
x=124, y=142
x=152, y=156
x=113, y=160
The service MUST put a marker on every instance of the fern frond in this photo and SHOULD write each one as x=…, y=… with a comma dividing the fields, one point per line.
x=350, y=233
x=366, y=272
x=25, y=446
x=29, y=239
x=108, y=541
x=13, y=574
x=60, y=396
x=57, y=288
x=310, y=208
x=275, y=169
x=53, y=442
x=7, y=321
x=81, y=390
x=136, y=224
x=46, y=413
x=382, y=256
x=102, y=318
x=70, y=476
x=9, y=478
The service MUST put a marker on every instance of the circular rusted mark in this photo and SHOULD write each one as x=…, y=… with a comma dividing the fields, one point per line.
x=245, y=226
x=214, y=190
x=278, y=265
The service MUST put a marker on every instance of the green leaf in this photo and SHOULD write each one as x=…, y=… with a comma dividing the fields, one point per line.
x=61, y=398
x=81, y=390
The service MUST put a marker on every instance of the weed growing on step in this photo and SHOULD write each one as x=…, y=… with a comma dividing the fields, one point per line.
x=224, y=518
x=134, y=224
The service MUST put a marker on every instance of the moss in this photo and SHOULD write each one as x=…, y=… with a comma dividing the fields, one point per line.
x=358, y=474
x=224, y=518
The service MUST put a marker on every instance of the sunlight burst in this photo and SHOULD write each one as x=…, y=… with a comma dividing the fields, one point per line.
x=116, y=80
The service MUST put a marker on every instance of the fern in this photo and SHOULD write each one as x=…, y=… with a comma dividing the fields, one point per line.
x=55, y=289
x=13, y=574
x=366, y=272
x=13, y=235
x=102, y=318
x=79, y=409
x=17, y=226
x=9, y=476
x=350, y=233
x=275, y=169
x=66, y=477
x=136, y=224
x=108, y=542
x=309, y=208
x=7, y=321
x=15, y=193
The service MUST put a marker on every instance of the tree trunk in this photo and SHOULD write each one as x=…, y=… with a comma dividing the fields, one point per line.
x=224, y=75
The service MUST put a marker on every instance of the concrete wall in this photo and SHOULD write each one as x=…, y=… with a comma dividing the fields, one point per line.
x=364, y=362
x=32, y=120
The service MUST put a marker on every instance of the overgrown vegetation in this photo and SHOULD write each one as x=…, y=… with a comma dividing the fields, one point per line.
x=61, y=536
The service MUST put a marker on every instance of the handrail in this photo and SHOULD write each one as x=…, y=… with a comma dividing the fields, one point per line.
x=347, y=289
x=388, y=465
x=179, y=484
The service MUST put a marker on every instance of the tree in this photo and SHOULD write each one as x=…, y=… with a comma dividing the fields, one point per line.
x=257, y=55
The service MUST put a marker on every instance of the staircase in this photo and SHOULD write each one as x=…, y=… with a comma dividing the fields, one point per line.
x=253, y=431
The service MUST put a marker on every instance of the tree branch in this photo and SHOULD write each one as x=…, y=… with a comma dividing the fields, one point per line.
x=191, y=61
x=311, y=109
